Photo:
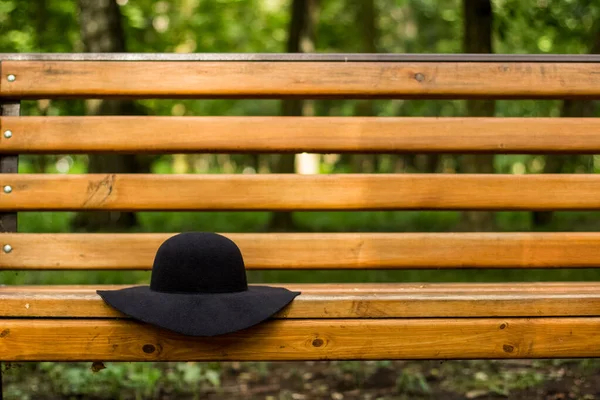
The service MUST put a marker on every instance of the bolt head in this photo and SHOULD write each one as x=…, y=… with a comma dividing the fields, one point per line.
x=7, y=189
x=11, y=78
x=7, y=248
x=8, y=134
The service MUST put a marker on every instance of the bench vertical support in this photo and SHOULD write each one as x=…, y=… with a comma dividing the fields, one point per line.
x=8, y=165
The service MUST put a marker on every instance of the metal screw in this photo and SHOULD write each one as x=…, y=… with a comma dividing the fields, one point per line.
x=11, y=78
x=8, y=134
x=419, y=77
x=7, y=248
x=7, y=189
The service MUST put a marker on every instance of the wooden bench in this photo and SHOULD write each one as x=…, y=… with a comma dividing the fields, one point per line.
x=327, y=321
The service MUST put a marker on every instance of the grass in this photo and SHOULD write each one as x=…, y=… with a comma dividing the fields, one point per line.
x=111, y=381
x=386, y=380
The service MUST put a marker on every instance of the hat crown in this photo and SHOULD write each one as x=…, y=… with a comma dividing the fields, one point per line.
x=198, y=262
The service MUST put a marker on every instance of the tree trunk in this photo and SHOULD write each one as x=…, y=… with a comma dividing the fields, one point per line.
x=41, y=19
x=478, y=39
x=301, y=40
x=102, y=31
x=366, y=21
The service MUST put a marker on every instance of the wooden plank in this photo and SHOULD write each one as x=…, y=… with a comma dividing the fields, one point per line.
x=327, y=250
x=346, y=301
x=93, y=340
x=234, y=79
x=138, y=192
x=298, y=134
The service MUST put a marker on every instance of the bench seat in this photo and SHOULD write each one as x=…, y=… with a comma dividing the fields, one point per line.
x=340, y=321
x=376, y=300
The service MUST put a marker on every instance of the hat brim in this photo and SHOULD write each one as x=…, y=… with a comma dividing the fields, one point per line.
x=200, y=314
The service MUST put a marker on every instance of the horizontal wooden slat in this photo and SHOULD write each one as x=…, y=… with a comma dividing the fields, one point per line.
x=47, y=79
x=314, y=250
x=299, y=134
x=300, y=192
x=347, y=301
x=93, y=340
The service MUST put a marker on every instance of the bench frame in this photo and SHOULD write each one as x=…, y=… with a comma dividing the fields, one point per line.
x=510, y=335
x=9, y=164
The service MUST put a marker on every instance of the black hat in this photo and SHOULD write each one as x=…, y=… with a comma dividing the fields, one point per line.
x=198, y=287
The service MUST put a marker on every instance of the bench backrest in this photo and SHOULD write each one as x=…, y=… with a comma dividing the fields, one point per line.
x=298, y=76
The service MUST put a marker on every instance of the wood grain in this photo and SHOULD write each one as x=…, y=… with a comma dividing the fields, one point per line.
x=346, y=301
x=72, y=79
x=314, y=250
x=300, y=192
x=298, y=134
x=93, y=340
